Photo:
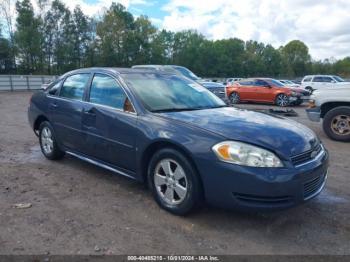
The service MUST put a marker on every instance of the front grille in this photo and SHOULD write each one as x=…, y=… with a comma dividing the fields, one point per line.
x=263, y=200
x=312, y=186
x=219, y=92
x=306, y=156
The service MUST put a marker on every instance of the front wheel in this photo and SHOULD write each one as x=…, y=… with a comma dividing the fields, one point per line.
x=282, y=100
x=234, y=98
x=336, y=124
x=174, y=182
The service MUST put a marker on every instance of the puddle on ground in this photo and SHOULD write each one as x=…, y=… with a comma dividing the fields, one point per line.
x=33, y=156
x=329, y=198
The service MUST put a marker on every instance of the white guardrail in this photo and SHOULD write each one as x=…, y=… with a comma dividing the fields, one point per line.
x=24, y=82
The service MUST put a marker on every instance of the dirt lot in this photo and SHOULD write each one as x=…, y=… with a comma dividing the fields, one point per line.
x=81, y=209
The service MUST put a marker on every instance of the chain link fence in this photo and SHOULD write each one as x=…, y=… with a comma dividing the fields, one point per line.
x=24, y=82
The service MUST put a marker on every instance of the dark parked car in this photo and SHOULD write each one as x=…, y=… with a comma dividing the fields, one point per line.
x=172, y=69
x=217, y=89
x=175, y=135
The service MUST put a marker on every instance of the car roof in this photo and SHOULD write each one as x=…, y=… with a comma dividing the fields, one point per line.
x=258, y=78
x=154, y=66
x=319, y=75
x=116, y=70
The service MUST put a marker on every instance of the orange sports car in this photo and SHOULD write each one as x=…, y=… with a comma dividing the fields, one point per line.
x=264, y=90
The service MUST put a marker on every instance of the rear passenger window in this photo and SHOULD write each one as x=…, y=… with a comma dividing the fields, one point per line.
x=246, y=83
x=106, y=91
x=74, y=86
x=260, y=83
x=307, y=79
x=318, y=79
x=327, y=79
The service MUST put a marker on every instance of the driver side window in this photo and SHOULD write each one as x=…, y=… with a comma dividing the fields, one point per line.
x=261, y=83
x=106, y=91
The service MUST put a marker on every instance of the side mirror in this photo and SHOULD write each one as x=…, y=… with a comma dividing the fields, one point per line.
x=44, y=86
x=333, y=81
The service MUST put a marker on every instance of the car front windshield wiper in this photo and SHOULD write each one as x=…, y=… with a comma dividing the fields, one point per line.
x=178, y=109
x=173, y=109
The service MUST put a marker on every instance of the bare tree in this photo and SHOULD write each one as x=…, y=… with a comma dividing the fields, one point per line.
x=7, y=11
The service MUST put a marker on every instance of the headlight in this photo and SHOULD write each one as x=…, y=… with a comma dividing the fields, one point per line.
x=294, y=93
x=246, y=155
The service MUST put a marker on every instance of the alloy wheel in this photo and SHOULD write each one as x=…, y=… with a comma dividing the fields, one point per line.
x=282, y=100
x=47, y=140
x=234, y=98
x=170, y=181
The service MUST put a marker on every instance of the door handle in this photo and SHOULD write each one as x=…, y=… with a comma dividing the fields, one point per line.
x=54, y=105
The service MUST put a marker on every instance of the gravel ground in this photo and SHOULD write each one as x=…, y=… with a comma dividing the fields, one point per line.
x=76, y=208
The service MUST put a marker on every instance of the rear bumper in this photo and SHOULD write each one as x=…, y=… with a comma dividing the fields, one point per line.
x=231, y=186
x=314, y=114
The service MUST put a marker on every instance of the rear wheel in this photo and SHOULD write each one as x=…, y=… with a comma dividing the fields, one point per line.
x=282, y=100
x=174, y=182
x=234, y=98
x=48, y=143
x=336, y=124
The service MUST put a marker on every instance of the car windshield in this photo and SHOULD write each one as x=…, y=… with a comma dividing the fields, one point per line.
x=275, y=82
x=163, y=92
x=338, y=79
x=186, y=72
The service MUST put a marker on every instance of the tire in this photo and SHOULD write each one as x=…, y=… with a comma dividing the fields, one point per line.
x=282, y=100
x=48, y=143
x=234, y=98
x=298, y=102
x=179, y=190
x=336, y=123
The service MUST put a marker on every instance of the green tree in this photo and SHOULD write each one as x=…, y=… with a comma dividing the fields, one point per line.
x=342, y=67
x=230, y=54
x=161, y=47
x=186, y=49
x=5, y=55
x=56, y=39
x=296, y=56
x=113, y=36
x=272, y=61
x=253, y=64
x=81, y=37
x=140, y=48
x=27, y=37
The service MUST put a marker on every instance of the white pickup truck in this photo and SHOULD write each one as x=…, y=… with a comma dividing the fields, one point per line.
x=333, y=106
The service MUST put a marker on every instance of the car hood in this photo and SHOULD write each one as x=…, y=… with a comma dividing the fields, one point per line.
x=281, y=135
x=298, y=90
x=335, y=88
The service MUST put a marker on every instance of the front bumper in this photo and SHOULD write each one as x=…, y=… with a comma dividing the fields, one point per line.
x=232, y=186
x=314, y=114
x=298, y=98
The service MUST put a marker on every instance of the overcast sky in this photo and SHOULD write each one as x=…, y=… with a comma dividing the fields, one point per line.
x=324, y=25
